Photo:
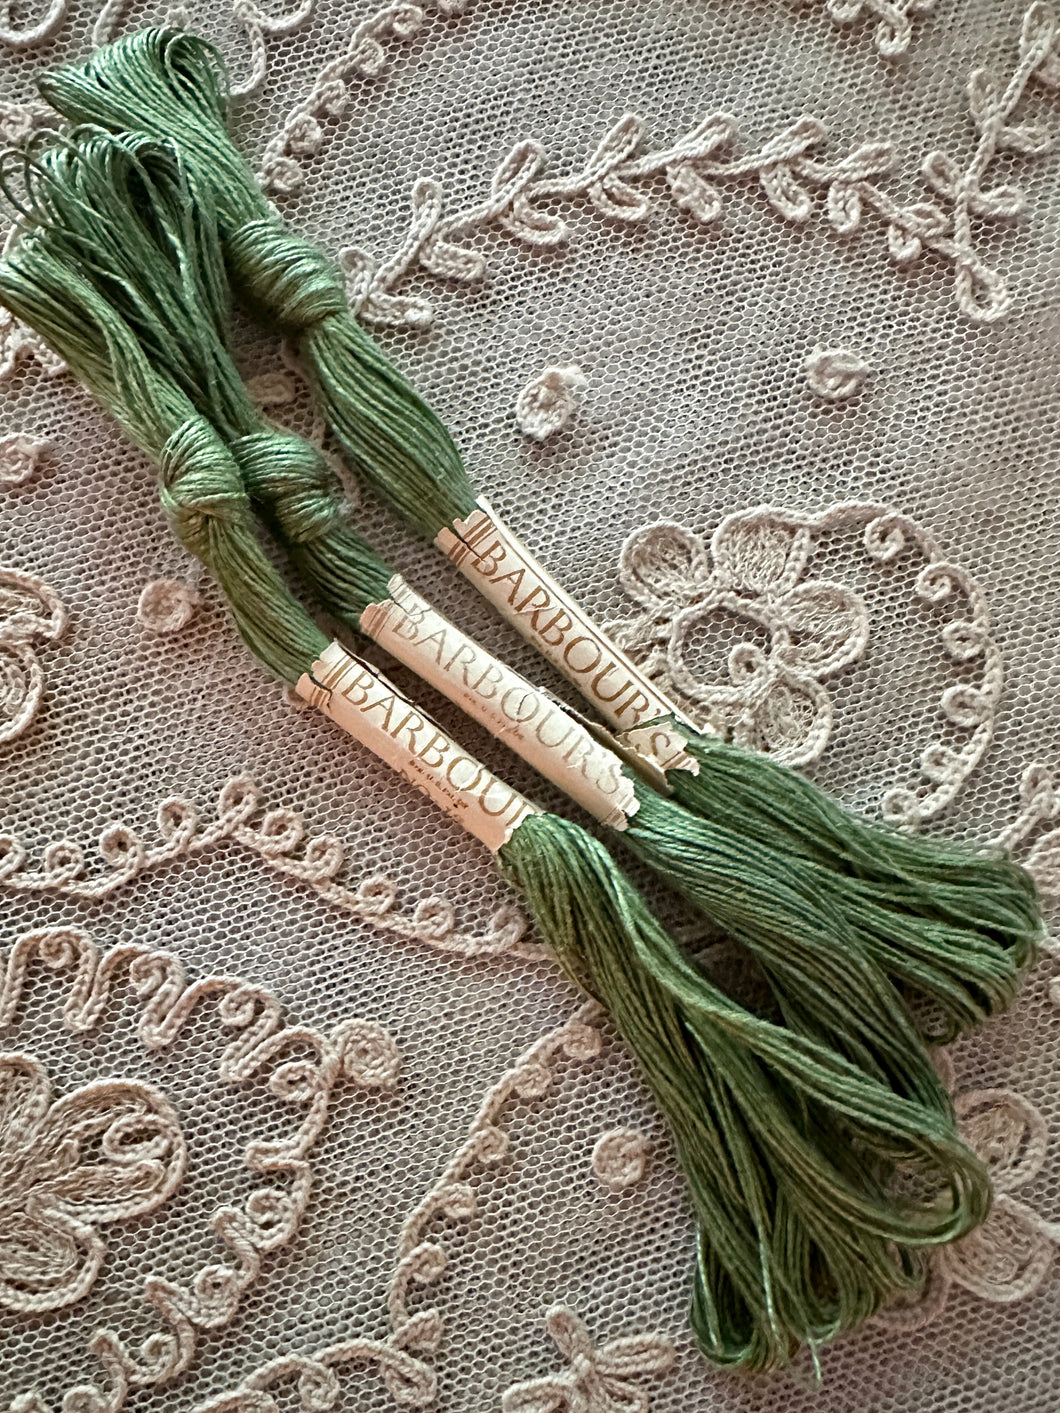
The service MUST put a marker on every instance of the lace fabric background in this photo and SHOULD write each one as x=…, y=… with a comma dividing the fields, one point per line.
x=692, y=337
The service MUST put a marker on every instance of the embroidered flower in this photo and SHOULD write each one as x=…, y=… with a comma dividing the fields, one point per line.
x=1009, y=1256
x=835, y=374
x=774, y=700
x=109, y=1151
x=598, y=1380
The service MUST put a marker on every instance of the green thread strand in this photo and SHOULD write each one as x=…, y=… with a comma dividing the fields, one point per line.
x=796, y=1158
x=171, y=86
x=168, y=272
x=789, y=1152
x=959, y=929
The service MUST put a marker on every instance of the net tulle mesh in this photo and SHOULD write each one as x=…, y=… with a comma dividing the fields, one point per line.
x=693, y=339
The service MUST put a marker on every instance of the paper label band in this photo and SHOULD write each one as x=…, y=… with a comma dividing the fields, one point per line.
x=375, y=713
x=532, y=724
x=507, y=574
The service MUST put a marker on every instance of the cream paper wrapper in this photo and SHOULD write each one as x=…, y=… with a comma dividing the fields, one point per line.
x=507, y=574
x=375, y=713
x=517, y=713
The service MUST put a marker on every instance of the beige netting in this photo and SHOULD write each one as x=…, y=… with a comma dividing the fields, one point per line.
x=706, y=393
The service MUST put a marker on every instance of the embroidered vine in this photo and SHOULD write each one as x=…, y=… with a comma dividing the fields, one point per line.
x=301, y=1067
x=599, y=1380
x=787, y=168
x=29, y=610
x=776, y=699
x=415, y=1335
x=109, y=1151
x=894, y=27
x=277, y=839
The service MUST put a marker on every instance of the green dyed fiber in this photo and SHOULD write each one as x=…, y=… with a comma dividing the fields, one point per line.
x=958, y=928
x=798, y=1163
x=165, y=272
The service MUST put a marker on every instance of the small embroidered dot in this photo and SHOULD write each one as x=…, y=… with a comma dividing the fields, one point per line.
x=166, y=605
x=835, y=373
x=548, y=402
x=20, y=455
x=272, y=389
x=620, y=1158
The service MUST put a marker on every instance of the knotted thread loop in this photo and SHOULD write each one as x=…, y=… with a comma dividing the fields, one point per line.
x=291, y=282
x=200, y=485
x=291, y=477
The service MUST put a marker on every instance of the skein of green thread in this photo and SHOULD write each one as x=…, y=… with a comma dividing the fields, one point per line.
x=963, y=928
x=966, y=972
x=165, y=274
x=806, y=1235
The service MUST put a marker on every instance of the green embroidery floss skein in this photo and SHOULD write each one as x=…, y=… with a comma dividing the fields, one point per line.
x=815, y=1186
x=172, y=295
x=964, y=927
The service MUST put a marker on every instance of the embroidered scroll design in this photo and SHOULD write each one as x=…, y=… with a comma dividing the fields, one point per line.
x=776, y=699
x=31, y=35
x=277, y=840
x=894, y=27
x=29, y=610
x=301, y=1067
x=787, y=167
x=109, y=1151
x=259, y=28
x=416, y=1335
x=599, y=1379
x=365, y=57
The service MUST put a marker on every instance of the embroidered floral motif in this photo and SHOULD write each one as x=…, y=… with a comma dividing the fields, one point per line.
x=548, y=402
x=599, y=1380
x=276, y=839
x=835, y=374
x=620, y=1158
x=140, y=1142
x=1008, y=1257
x=166, y=605
x=109, y=1151
x=787, y=167
x=29, y=609
x=776, y=699
x=895, y=20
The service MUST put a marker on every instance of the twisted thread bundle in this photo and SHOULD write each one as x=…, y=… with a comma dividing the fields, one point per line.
x=795, y=1151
